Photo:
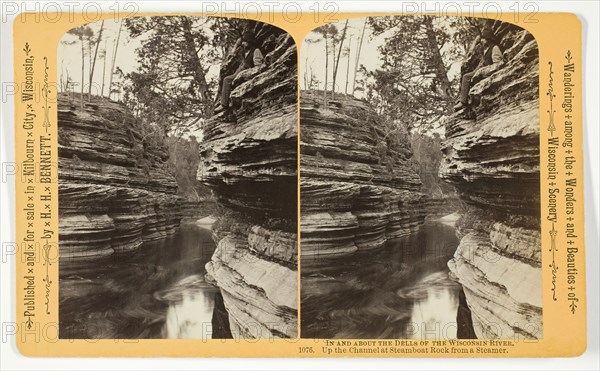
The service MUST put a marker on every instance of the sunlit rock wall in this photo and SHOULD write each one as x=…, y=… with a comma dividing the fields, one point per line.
x=115, y=191
x=358, y=188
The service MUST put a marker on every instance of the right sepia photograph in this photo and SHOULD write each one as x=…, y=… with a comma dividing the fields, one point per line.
x=420, y=180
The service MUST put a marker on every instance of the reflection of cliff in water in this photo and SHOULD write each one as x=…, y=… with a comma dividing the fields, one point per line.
x=400, y=291
x=158, y=291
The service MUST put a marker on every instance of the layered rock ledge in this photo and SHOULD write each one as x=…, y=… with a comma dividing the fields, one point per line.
x=114, y=188
x=249, y=160
x=357, y=187
x=491, y=156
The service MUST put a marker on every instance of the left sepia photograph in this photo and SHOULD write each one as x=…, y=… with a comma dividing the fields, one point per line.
x=178, y=182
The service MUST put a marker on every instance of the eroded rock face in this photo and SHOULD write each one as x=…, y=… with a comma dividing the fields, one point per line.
x=115, y=191
x=249, y=160
x=438, y=207
x=492, y=158
x=357, y=188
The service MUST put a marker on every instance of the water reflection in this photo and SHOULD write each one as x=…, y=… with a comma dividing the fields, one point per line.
x=191, y=305
x=400, y=291
x=157, y=291
x=435, y=304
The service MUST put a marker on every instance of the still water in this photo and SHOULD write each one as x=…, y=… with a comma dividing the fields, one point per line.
x=400, y=291
x=158, y=291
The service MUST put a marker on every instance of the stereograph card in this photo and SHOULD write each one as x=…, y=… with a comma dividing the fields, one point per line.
x=252, y=185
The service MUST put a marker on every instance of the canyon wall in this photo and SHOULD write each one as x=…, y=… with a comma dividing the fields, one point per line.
x=114, y=188
x=358, y=188
x=249, y=160
x=438, y=207
x=491, y=156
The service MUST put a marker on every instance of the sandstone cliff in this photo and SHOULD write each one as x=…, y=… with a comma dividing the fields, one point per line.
x=249, y=160
x=114, y=189
x=491, y=156
x=357, y=187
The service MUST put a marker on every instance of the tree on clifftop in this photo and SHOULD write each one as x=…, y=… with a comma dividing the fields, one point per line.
x=173, y=86
x=413, y=84
x=85, y=35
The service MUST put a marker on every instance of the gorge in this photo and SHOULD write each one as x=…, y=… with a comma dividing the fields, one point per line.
x=375, y=253
x=371, y=266
x=138, y=257
x=381, y=255
x=125, y=267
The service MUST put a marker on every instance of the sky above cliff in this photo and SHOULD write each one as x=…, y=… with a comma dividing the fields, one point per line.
x=69, y=57
x=126, y=59
x=312, y=55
